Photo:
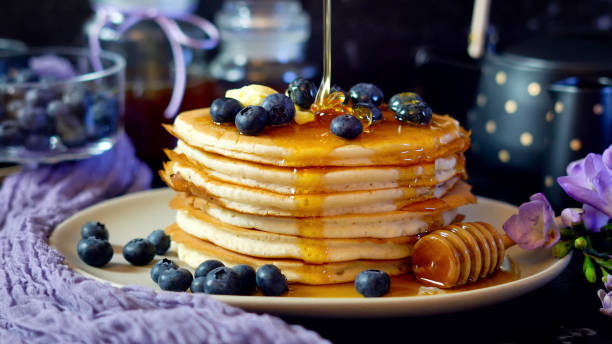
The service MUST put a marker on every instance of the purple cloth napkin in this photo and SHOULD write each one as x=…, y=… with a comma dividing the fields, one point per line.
x=44, y=301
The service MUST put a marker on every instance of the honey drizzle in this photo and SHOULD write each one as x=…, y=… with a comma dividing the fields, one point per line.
x=323, y=91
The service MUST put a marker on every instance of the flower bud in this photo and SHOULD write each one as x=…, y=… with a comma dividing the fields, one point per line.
x=571, y=217
x=588, y=268
x=580, y=243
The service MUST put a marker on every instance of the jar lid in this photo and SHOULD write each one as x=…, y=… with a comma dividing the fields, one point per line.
x=577, y=53
x=165, y=6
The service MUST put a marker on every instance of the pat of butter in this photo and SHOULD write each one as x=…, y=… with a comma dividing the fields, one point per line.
x=250, y=94
x=302, y=117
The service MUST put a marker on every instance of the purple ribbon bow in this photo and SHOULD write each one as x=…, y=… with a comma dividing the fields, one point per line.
x=176, y=38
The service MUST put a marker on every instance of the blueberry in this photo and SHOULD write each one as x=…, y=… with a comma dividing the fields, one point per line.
x=25, y=75
x=222, y=281
x=224, y=110
x=160, y=267
x=346, y=126
x=139, y=251
x=372, y=283
x=38, y=142
x=175, y=279
x=404, y=98
x=281, y=109
x=94, y=251
x=246, y=274
x=32, y=119
x=13, y=106
x=197, y=285
x=94, y=229
x=419, y=113
x=101, y=118
x=10, y=133
x=207, y=266
x=302, y=92
x=70, y=130
x=251, y=120
x=161, y=240
x=77, y=99
x=39, y=96
x=270, y=280
x=336, y=88
x=366, y=93
x=57, y=109
x=372, y=109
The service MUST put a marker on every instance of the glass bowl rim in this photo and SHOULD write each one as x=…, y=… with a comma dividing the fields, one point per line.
x=118, y=64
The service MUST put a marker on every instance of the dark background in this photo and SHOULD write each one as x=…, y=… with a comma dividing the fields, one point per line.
x=376, y=41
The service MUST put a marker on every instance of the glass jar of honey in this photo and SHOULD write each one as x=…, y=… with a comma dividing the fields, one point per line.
x=142, y=31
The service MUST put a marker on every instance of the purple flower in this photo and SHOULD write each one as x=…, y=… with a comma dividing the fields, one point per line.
x=589, y=181
x=534, y=226
x=608, y=283
x=571, y=216
x=606, y=302
x=52, y=67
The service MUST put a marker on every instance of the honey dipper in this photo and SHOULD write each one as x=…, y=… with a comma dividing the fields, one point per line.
x=458, y=254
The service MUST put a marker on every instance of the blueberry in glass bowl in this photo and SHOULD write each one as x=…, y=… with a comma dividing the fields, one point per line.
x=58, y=104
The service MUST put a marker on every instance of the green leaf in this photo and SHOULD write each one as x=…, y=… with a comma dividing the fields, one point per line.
x=604, y=275
x=561, y=249
x=604, y=263
x=588, y=268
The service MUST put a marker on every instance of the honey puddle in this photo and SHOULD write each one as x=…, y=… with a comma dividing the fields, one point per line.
x=406, y=285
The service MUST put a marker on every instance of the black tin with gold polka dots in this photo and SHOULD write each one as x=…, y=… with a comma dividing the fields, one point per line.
x=582, y=124
x=513, y=114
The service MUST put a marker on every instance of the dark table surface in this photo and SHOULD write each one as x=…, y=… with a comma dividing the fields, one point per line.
x=566, y=310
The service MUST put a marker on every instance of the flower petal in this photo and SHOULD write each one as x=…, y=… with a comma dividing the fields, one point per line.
x=534, y=225
x=594, y=219
x=580, y=193
x=606, y=302
x=608, y=283
x=606, y=158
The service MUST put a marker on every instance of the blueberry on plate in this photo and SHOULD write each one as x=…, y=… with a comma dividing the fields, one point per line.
x=302, y=92
x=404, y=98
x=160, y=267
x=346, y=126
x=10, y=133
x=175, y=279
x=246, y=274
x=222, y=281
x=251, y=120
x=281, y=109
x=94, y=251
x=224, y=110
x=372, y=283
x=139, y=251
x=197, y=285
x=270, y=280
x=32, y=119
x=370, y=109
x=161, y=240
x=13, y=106
x=94, y=229
x=207, y=266
x=366, y=93
x=419, y=113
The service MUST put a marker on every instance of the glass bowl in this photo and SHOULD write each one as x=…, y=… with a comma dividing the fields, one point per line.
x=55, y=106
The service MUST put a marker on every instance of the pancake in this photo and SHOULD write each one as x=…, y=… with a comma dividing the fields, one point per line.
x=194, y=251
x=271, y=245
x=418, y=219
x=245, y=199
x=388, y=142
x=309, y=180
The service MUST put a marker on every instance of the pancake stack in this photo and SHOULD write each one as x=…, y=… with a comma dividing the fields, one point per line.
x=320, y=207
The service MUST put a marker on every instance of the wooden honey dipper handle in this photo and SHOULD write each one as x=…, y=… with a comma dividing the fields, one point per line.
x=459, y=253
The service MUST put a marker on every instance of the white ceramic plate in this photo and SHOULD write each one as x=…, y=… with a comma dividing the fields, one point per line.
x=136, y=215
